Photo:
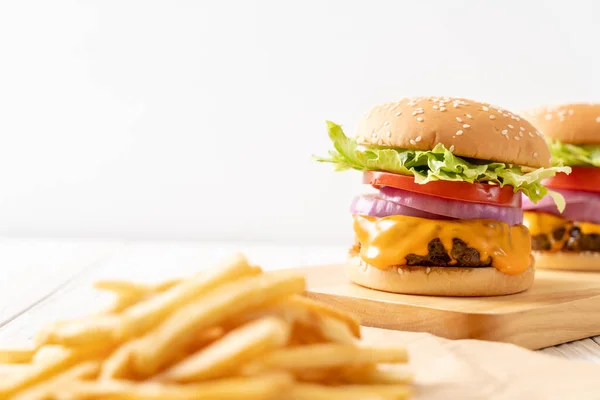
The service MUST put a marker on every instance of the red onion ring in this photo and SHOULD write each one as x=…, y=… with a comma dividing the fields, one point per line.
x=452, y=208
x=373, y=205
x=581, y=206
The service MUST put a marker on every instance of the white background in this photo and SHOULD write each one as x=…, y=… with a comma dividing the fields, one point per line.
x=197, y=119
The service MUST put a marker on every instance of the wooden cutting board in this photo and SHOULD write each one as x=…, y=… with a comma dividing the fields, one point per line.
x=560, y=307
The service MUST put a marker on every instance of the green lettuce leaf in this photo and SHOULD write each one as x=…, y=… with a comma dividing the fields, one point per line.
x=574, y=155
x=436, y=164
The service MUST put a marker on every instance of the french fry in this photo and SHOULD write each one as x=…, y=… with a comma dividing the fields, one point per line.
x=129, y=293
x=307, y=391
x=330, y=355
x=260, y=387
x=145, y=315
x=158, y=348
x=83, y=331
x=117, y=365
x=303, y=334
x=166, y=285
x=323, y=309
x=46, y=368
x=237, y=347
x=121, y=303
x=335, y=330
x=47, y=389
x=16, y=356
x=123, y=287
x=326, y=322
x=128, y=288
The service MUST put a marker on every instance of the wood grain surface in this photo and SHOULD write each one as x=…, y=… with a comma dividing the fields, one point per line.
x=560, y=307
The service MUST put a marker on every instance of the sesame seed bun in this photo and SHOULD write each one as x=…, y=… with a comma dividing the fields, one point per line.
x=575, y=123
x=469, y=128
x=583, y=261
x=439, y=281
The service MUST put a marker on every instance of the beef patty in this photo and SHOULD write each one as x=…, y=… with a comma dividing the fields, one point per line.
x=572, y=240
x=460, y=255
x=437, y=256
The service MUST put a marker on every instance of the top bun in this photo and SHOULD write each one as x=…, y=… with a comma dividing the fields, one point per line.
x=575, y=123
x=468, y=128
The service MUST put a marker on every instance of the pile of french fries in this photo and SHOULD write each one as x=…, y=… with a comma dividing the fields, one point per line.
x=231, y=333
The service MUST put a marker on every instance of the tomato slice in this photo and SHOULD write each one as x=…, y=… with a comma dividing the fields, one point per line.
x=586, y=179
x=464, y=191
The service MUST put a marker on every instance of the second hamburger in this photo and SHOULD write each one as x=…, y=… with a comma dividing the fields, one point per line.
x=571, y=239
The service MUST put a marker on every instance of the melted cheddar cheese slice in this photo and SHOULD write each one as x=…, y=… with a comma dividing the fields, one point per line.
x=385, y=242
x=556, y=228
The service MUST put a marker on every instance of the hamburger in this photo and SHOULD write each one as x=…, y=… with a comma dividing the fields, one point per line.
x=571, y=239
x=445, y=217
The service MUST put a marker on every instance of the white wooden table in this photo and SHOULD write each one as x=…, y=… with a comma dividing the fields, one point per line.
x=42, y=280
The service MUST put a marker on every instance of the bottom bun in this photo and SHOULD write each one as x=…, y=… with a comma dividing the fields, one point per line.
x=439, y=281
x=585, y=261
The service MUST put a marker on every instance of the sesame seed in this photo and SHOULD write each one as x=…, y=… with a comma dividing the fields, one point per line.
x=420, y=119
x=466, y=126
x=531, y=134
x=412, y=142
x=492, y=116
x=506, y=115
x=400, y=270
x=451, y=148
x=428, y=270
x=521, y=134
x=505, y=131
x=534, y=154
x=435, y=107
x=598, y=120
x=386, y=123
x=469, y=116
x=484, y=108
x=459, y=132
x=373, y=135
x=517, y=119
x=398, y=113
x=539, y=133
x=389, y=134
x=459, y=119
x=522, y=129
x=571, y=112
x=548, y=117
x=442, y=108
x=418, y=139
x=395, y=106
x=517, y=138
x=510, y=126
